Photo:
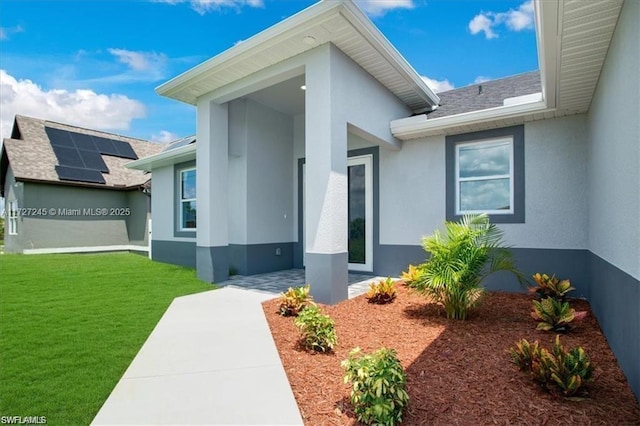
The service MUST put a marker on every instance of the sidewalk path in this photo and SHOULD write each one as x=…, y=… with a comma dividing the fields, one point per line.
x=210, y=360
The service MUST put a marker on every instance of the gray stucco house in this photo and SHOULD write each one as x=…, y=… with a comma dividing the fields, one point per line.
x=319, y=146
x=66, y=189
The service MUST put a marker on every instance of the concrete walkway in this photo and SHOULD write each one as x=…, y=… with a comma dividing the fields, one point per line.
x=211, y=360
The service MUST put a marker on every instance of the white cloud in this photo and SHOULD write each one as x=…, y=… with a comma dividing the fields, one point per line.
x=438, y=85
x=380, y=7
x=83, y=107
x=5, y=32
x=481, y=79
x=204, y=6
x=164, y=136
x=515, y=20
x=140, y=61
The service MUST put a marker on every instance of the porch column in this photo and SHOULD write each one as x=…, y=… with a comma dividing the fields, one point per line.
x=212, y=146
x=325, y=184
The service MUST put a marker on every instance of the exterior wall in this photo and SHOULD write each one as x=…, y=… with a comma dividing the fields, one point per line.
x=552, y=239
x=260, y=188
x=614, y=195
x=71, y=226
x=167, y=246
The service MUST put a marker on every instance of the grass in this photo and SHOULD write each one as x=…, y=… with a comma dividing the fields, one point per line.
x=70, y=325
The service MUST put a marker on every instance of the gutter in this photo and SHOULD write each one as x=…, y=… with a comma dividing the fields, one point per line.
x=418, y=126
x=162, y=159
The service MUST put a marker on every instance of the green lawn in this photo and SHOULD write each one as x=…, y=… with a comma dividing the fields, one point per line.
x=70, y=325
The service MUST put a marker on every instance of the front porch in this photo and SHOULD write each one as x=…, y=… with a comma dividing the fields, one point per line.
x=280, y=281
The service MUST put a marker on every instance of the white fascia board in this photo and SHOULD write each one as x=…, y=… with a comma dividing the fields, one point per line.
x=414, y=127
x=548, y=38
x=379, y=42
x=245, y=48
x=163, y=159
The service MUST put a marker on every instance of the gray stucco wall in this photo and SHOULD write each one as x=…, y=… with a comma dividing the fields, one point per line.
x=614, y=195
x=72, y=225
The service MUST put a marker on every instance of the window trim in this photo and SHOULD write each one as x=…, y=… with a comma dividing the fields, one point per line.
x=178, y=230
x=183, y=200
x=459, y=180
x=12, y=218
x=516, y=133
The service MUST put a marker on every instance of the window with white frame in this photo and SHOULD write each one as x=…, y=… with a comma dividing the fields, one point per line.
x=485, y=174
x=188, y=200
x=12, y=218
x=484, y=177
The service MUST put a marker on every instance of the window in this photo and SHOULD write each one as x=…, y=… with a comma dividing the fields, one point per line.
x=485, y=174
x=484, y=177
x=188, y=200
x=12, y=217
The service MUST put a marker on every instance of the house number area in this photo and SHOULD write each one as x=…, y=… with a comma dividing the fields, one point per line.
x=62, y=211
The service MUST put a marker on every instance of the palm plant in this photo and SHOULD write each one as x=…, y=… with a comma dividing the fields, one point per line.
x=461, y=259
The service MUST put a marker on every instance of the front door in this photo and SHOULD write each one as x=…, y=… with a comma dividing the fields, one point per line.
x=360, y=213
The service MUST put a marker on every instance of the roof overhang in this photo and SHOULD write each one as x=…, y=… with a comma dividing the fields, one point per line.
x=573, y=39
x=340, y=22
x=163, y=159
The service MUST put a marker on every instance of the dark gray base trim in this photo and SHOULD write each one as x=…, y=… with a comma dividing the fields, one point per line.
x=391, y=260
x=212, y=263
x=174, y=252
x=327, y=274
x=615, y=301
x=254, y=259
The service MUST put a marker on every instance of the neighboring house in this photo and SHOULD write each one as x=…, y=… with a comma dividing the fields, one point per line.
x=66, y=189
x=318, y=145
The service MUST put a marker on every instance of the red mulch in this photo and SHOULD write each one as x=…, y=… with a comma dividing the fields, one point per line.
x=458, y=372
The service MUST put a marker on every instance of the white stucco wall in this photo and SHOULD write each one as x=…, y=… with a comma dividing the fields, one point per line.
x=413, y=190
x=614, y=150
x=237, y=172
x=269, y=169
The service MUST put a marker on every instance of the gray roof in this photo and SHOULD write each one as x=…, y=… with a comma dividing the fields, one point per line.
x=489, y=94
x=29, y=154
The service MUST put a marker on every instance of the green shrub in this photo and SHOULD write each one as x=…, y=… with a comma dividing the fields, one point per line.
x=317, y=330
x=294, y=300
x=412, y=275
x=381, y=292
x=552, y=314
x=379, y=393
x=551, y=287
x=460, y=260
x=559, y=371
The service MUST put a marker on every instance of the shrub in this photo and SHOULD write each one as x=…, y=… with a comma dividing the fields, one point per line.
x=294, y=300
x=379, y=386
x=412, y=275
x=317, y=330
x=460, y=260
x=381, y=292
x=551, y=287
x=552, y=314
x=559, y=371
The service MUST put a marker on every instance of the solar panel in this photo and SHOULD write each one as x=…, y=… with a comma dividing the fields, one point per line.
x=68, y=156
x=105, y=146
x=79, y=175
x=83, y=142
x=59, y=137
x=93, y=160
x=124, y=150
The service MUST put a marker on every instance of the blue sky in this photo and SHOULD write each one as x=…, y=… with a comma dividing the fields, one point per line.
x=96, y=63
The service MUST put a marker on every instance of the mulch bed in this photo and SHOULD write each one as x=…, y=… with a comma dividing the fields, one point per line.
x=458, y=372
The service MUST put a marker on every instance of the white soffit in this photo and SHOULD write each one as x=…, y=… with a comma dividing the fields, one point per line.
x=585, y=29
x=340, y=22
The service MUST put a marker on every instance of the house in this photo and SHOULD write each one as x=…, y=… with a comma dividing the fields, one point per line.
x=319, y=146
x=66, y=189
